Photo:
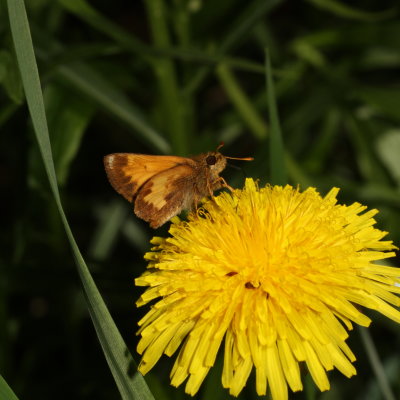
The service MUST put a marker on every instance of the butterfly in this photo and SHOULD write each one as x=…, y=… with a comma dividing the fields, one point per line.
x=160, y=187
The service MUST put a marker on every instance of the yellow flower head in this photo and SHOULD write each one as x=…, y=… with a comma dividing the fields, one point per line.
x=273, y=273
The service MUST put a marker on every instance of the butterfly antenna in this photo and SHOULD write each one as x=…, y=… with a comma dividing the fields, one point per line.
x=235, y=158
x=240, y=158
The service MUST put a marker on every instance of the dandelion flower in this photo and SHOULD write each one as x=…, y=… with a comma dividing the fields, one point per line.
x=274, y=275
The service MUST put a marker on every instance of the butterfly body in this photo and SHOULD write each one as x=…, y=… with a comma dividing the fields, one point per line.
x=160, y=187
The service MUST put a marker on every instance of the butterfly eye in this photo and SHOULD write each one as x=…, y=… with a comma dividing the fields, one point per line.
x=211, y=160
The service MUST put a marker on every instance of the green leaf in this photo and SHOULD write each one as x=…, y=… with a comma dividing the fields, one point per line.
x=115, y=351
x=277, y=152
x=6, y=392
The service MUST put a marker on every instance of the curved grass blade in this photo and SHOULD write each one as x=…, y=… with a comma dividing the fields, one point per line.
x=6, y=392
x=83, y=10
x=242, y=103
x=118, y=358
x=345, y=11
x=87, y=81
x=277, y=153
x=96, y=87
x=240, y=29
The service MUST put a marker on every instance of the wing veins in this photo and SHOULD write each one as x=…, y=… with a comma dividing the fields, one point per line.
x=155, y=175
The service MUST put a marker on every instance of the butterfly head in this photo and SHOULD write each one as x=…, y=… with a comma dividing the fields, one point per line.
x=215, y=161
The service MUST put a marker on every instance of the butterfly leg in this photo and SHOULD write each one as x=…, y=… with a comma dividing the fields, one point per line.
x=209, y=188
x=223, y=183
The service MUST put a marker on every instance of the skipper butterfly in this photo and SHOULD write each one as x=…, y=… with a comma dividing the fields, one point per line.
x=160, y=187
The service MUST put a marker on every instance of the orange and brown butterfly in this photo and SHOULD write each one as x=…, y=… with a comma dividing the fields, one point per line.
x=160, y=187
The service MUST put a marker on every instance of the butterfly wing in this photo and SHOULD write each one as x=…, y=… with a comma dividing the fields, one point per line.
x=166, y=195
x=128, y=172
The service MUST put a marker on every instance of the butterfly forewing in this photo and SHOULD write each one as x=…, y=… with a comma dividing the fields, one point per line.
x=128, y=172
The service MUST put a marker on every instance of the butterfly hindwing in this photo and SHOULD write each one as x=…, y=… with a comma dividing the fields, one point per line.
x=166, y=194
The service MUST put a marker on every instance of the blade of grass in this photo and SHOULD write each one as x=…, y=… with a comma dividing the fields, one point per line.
x=242, y=103
x=111, y=217
x=345, y=11
x=171, y=104
x=6, y=392
x=87, y=81
x=296, y=173
x=310, y=388
x=376, y=364
x=90, y=15
x=93, y=18
x=319, y=151
x=239, y=31
x=68, y=117
x=277, y=153
x=118, y=358
x=369, y=166
x=114, y=101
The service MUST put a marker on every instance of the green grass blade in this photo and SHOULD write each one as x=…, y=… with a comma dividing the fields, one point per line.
x=100, y=90
x=376, y=364
x=91, y=16
x=369, y=166
x=240, y=29
x=277, y=153
x=345, y=11
x=68, y=116
x=243, y=104
x=111, y=217
x=89, y=82
x=171, y=103
x=6, y=392
x=81, y=9
x=115, y=350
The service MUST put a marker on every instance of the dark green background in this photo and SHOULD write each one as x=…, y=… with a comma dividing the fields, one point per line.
x=124, y=77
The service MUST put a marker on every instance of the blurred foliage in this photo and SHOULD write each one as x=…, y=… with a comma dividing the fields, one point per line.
x=177, y=77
